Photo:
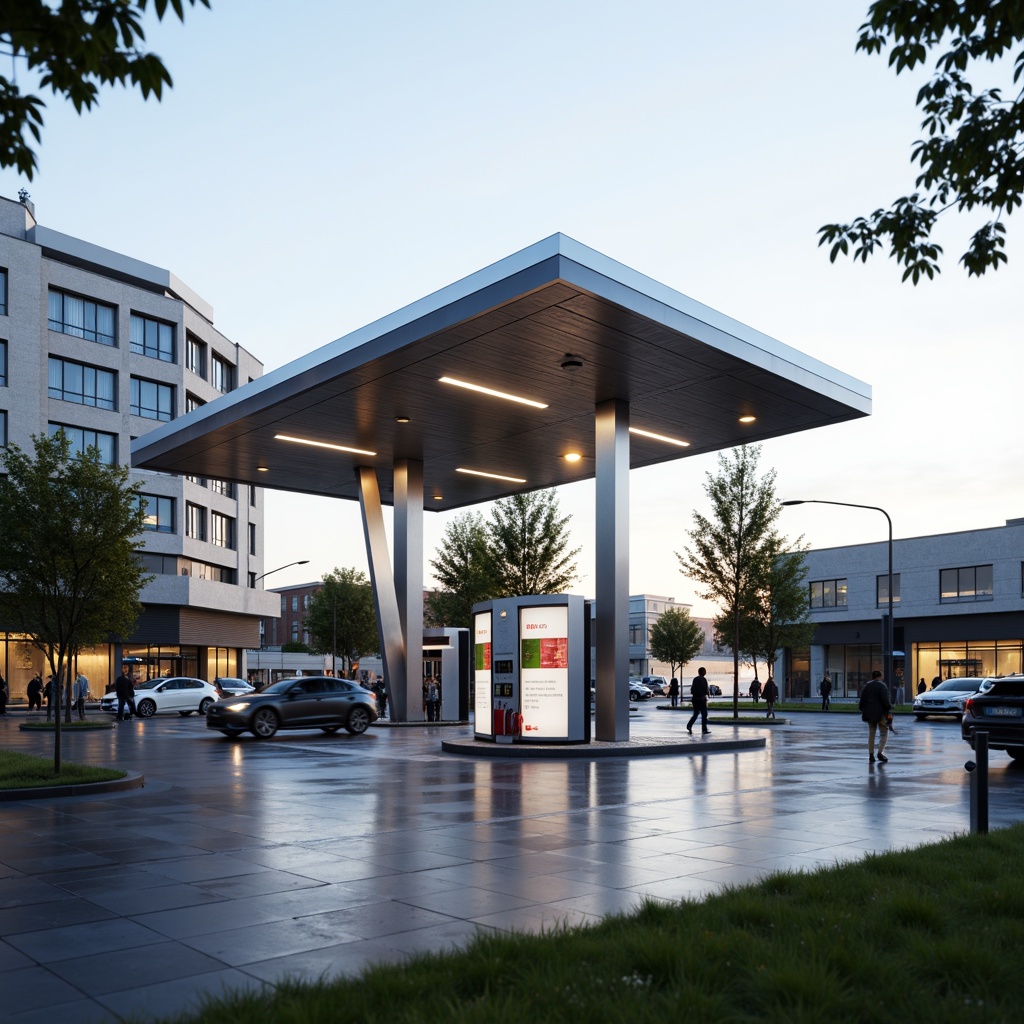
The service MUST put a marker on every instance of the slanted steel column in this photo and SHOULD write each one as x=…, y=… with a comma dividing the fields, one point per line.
x=389, y=625
x=611, y=424
x=409, y=576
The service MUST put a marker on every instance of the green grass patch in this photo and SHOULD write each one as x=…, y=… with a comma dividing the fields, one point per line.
x=931, y=934
x=24, y=771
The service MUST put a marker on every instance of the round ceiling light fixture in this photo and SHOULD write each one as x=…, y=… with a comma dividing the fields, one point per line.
x=572, y=456
x=401, y=419
x=571, y=362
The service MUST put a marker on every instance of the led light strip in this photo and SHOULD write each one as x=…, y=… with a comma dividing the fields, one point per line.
x=492, y=476
x=492, y=392
x=322, y=444
x=659, y=437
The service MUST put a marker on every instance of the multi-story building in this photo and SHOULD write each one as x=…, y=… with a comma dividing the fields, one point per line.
x=958, y=610
x=104, y=347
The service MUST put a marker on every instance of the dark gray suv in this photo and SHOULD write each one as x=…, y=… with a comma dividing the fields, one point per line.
x=306, y=702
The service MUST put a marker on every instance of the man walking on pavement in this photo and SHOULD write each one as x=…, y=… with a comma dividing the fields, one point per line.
x=874, y=709
x=699, y=695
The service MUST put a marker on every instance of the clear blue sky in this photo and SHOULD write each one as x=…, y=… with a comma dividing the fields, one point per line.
x=319, y=165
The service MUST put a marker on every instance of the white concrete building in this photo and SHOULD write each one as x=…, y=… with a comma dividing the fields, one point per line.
x=105, y=347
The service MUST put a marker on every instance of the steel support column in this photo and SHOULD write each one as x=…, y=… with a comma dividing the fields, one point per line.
x=389, y=624
x=409, y=576
x=611, y=427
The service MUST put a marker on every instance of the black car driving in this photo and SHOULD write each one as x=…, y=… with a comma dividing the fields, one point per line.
x=305, y=702
x=1000, y=712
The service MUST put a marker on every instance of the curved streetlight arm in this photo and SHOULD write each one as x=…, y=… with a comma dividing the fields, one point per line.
x=889, y=656
x=302, y=561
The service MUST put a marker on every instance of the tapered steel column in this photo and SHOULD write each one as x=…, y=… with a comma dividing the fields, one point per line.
x=611, y=425
x=389, y=624
x=409, y=575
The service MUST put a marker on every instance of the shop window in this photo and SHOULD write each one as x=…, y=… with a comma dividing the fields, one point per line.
x=967, y=583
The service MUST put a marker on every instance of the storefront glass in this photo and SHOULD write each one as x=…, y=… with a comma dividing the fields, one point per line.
x=962, y=659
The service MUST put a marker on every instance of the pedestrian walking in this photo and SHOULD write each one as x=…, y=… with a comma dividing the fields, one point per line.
x=4, y=694
x=124, y=687
x=673, y=692
x=874, y=709
x=433, y=700
x=825, y=689
x=49, y=690
x=34, y=692
x=755, y=689
x=79, y=693
x=771, y=695
x=699, y=697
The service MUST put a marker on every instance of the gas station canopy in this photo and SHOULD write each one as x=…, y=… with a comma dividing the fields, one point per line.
x=557, y=325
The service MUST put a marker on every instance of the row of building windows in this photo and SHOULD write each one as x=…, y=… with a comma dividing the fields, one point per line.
x=966, y=583
x=81, y=384
x=175, y=565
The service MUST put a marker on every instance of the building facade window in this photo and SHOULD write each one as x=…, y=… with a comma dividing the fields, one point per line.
x=152, y=338
x=295, y=631
x=81, y=384
x=81, y=439
x=82, y=318
x=3, y=364
x=222, y=530
x=252, y=495
x=159, y=513
x=252, y=538
x=252, y=586
x=207, y=571
x=225, y=487
x=195, y=521
x=828, y=594
x=882, y=589
x=3, y=429
x=967, y=583
x=195, y=355
x=222, y=374
x=3, y=291
x=295, y=602
x=191, y=402
x=152, y=400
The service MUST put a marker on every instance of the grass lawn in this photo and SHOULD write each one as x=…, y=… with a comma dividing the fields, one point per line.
x=932, y=934
x=23, y=771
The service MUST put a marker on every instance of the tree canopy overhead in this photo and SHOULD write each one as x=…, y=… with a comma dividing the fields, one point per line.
x=972, y=155
x=72, y=47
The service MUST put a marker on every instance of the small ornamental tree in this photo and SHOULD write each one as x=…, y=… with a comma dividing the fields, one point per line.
x=676, y=639
x=70, y=574
x=462, y=568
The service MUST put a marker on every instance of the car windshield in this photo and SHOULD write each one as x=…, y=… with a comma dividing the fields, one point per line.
x=148, y=684
x=960, y=685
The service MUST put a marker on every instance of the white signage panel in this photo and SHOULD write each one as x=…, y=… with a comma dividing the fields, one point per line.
x=482, y=672
x=544, y=672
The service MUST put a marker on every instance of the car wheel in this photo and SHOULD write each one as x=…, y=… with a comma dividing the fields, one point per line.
x=146, y=708
x=1017, y=753
x=204, y=705
x=358, y=721
x=633, y=695
x=265, y=723
x=330, y=728
x=232, y=734
x=184, y=714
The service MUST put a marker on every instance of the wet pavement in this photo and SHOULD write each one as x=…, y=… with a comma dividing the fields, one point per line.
x=241, y=863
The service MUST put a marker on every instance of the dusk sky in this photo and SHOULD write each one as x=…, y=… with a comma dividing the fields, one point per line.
x=319, y=165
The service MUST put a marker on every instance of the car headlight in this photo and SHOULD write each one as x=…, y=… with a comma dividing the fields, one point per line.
x=236, y=707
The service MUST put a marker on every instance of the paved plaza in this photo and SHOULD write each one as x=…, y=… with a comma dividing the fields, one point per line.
x=243, y=862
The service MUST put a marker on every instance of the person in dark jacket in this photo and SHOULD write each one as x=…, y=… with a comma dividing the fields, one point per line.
x=771, y=695
x=825, y=689
x=673, y=692
x=35, y=693
x=124, y=687
x=699, y=696
x=874, y=709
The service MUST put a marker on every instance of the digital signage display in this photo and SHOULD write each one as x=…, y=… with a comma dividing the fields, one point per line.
x=544, y=671
x=482, y=671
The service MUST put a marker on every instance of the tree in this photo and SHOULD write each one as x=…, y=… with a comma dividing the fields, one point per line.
x=70, y=575
x=675, y=638
x=527, y=545
x=462, y=568
x=731, y=551
x=341, y=619
x=75, y=46
x=973, y=153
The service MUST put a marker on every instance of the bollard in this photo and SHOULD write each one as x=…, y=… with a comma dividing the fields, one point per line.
x=979, y=783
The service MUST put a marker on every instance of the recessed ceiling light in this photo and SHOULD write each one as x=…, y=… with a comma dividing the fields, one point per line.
x=659, y=437
x=492, y=392
x=438, y=497
x=492, y=476
x=748, y=419
x=322, y=444
x=262, y=469
x=572, y=456
x=401, y=419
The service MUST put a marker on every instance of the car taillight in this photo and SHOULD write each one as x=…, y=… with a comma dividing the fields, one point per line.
x=969, y=705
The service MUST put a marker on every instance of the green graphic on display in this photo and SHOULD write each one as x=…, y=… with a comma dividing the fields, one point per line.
x=529, y=654
x=481, y=657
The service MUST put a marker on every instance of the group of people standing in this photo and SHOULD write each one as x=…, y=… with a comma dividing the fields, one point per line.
x=37, y=691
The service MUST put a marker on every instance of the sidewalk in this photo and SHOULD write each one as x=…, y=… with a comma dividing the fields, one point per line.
x=243, y=862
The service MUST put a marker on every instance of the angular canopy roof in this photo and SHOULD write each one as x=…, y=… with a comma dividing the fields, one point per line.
x=558, y=324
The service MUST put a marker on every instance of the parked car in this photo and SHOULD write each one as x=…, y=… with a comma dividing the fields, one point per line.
x=307, y=702
x=160, y=696
x=947, y=698
x=637, y=691
x=1000, y=712
x=714, y=690
x=656, y=684
x=230, y=686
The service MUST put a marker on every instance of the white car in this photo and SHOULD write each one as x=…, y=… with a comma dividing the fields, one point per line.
x=160, y=696
x=637, y=691
x=947, y=698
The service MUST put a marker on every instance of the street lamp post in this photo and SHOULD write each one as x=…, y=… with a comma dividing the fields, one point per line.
x=889, y=656
x=269, y=572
